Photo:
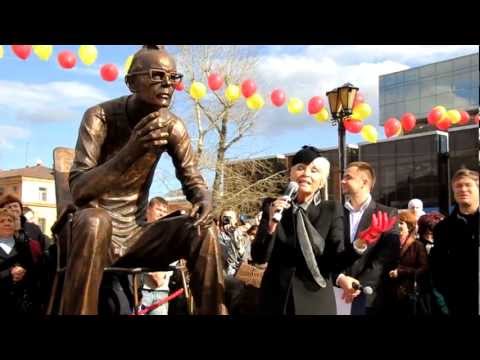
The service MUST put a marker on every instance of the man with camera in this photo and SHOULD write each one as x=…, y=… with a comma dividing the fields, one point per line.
x=233, y=240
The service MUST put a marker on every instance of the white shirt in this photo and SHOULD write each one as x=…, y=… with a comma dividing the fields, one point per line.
x=356, y=215
x=7, y=244
x=354, y=220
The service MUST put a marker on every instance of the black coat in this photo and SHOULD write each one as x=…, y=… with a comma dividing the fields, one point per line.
x=287, y=277
x=372, y=267
x=454, y=262
x=35, y=233
x=12, y=294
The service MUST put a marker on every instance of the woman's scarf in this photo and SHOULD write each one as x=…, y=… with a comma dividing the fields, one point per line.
x=311, y=242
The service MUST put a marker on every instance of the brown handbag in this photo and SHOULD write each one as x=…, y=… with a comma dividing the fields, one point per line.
x=250, y=274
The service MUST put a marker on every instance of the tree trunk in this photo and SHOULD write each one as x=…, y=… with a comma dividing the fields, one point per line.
x=219, y=165
x=201, y=134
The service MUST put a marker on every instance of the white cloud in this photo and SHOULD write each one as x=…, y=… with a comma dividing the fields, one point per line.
x=412, y=54
x=54, y=101
x=321, y=68
x=10, y=133
x=305, y=76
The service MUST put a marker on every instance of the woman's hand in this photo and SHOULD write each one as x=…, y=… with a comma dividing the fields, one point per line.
x=278, y=204
x=17, y=273
x=393, y=274
x=346, y=283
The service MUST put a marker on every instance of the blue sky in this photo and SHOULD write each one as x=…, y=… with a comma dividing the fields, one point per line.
x=41, y=104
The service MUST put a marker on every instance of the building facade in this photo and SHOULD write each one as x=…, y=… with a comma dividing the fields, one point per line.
x=452, y=83
x=35, y=187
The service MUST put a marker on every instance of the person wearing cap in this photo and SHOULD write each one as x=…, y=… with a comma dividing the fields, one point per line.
x=417, y=206
x=304, y=247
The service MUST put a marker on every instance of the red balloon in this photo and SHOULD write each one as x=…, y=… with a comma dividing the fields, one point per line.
x=353, y=125
x=215, y=81
x=476, y=119
x=408, y=121
x=248, y=88
x=179, y=86
x=278, y=97
x=22, y=51
x=391, y=127
x=359, y=98
x=464, y=118
x=434, y=115
x=109, y=72
x=315, y=105
x=444, y=124
x=67, y=59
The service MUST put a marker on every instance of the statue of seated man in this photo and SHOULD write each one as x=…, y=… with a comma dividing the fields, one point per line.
x=119, y=145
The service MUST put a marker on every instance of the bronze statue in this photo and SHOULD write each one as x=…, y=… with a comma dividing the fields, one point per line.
x=119, y=145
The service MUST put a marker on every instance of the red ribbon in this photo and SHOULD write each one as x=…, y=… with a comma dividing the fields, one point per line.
x=160, y=302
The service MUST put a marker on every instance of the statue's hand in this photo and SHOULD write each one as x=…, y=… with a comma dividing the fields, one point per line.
x=202, y=207
x=150, y=133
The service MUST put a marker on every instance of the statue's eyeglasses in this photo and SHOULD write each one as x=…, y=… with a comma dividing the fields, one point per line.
x=159, y=76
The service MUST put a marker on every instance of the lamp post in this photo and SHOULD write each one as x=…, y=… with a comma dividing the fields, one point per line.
x=341, y=105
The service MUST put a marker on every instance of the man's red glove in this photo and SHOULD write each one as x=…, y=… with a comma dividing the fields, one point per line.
x=381, y=223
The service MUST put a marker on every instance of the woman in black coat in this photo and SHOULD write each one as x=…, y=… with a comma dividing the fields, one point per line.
x=304, y=249
x=15, y=267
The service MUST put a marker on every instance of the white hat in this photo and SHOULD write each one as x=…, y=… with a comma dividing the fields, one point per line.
x=416, y=204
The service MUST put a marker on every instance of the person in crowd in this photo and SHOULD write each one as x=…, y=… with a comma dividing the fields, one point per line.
x=16, y=265
x=407, y=279
x=371, y=269
x=426, y=224
x=41, y=274
x=416, y=205
x=454, y=257
x=234, y=240
x=155, y=284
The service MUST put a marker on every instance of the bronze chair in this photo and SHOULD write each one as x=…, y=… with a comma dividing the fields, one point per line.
x=62, y=229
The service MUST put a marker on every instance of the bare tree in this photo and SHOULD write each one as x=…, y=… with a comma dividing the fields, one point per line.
x=247, y=182
x=214, y=114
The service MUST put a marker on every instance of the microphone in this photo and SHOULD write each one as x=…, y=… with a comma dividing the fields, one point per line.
x=367, y=290
x=290, y=193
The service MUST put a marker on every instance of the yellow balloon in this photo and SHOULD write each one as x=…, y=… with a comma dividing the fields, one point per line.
x=362, y=111
x=255, y=102
x=43, y=51
x=197, y=90
x=1, y=51
x=441, y=108
x=454, y=116
x=322, y=115
x=232, y=93
x=295, y=106
x=369, y=133
x=127, y=64
x=88, y=54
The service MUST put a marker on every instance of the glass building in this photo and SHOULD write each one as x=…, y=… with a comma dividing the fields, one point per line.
x=451, y=83
x=412, y=166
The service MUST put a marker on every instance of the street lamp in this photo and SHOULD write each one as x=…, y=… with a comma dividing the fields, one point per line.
x=341, y=105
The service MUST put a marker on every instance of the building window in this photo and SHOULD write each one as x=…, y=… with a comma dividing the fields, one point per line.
x=42, y=222
x=1, y=191
x=43, y=193
x=14, y=189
